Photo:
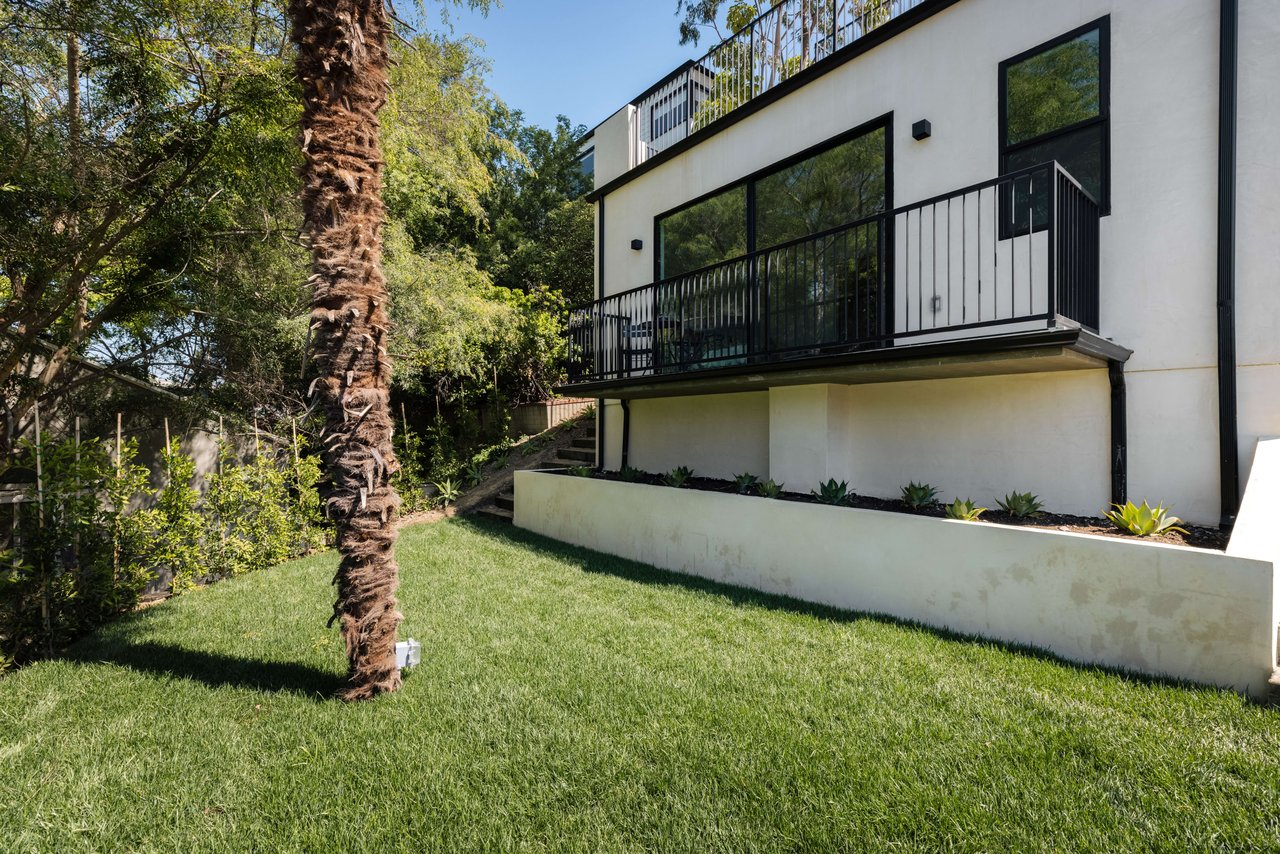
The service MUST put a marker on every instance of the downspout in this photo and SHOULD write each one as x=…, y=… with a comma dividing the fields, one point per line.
x=600, y=434
x=600, y=421
x=626, y=432
x=1119, y=434
x=1228, y=432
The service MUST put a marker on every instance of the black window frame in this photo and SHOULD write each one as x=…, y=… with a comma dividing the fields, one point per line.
x=1103, y=119
x=582, y=159
x=884, y=122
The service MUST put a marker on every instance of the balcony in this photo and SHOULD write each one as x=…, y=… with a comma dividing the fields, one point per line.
x=1006, y=266
x=775, y=47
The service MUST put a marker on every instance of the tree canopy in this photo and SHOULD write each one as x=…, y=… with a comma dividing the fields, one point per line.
x=149, y=219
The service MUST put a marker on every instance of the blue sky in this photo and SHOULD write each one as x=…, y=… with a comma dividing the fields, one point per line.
x=582, y=58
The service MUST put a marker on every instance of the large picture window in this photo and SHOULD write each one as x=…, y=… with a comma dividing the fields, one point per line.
x=843, y=181
x=1054, y=106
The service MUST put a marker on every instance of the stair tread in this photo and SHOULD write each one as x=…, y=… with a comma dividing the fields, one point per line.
x=496, y=513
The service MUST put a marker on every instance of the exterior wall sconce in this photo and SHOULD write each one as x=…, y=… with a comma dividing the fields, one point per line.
x=921, y=130
x=637, y=244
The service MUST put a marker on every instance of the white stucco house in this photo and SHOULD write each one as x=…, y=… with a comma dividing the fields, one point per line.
x=813, y=258
x=991, y=245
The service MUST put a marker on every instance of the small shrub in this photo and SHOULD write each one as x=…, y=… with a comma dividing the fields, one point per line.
x=447, y=492
x=918, y=495
x=964, y=510
x=579, y=471
x=770, y=489
x=1023, y=505
x=832, y=492
x=629, y=474
x=248, y=518
x=474, y=473
x=745, y=483
x=1144, y=521
x=179, y=527
x=678, y=477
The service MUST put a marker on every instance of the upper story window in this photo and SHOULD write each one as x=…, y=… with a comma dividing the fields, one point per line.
x=587, y=165
x=844, y=181
x=1054, y=106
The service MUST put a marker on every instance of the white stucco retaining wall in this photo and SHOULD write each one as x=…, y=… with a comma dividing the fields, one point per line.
x=1164, y=610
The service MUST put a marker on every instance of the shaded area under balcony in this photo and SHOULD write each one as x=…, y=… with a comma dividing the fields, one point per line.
x=1001, y=277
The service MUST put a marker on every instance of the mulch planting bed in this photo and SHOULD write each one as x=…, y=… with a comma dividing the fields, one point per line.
x=1204, y=538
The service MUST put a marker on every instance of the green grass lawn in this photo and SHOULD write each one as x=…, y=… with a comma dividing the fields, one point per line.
x=570, y=701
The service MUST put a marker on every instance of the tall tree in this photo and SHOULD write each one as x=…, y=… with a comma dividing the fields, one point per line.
x=342, y=64
x=137, y=142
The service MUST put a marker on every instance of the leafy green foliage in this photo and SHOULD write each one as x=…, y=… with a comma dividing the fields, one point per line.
x=82, y=556
x=1144, y=520
x=964, y=510
x=1023, y=505
x=411, y=480
x=745, y=482
x=178, y=528
x=541, y=233
x=252, y=521
x=94, y=533
x=770, y=489
x=919, y=495
x=678, y=477
x=580, y=471
x=157, y=211
x=832, y=492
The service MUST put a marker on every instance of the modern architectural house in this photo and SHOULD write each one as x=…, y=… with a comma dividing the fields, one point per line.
x=986, y=244
x=990, y=245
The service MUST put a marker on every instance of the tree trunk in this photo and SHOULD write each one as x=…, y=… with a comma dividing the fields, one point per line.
x=342, y=65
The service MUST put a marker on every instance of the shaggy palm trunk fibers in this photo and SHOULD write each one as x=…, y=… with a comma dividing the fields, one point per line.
x=342, y=65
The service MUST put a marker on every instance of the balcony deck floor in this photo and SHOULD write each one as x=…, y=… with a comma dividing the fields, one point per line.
x=1056, y=349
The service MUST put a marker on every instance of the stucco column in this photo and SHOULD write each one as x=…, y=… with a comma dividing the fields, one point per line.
x=810, y=435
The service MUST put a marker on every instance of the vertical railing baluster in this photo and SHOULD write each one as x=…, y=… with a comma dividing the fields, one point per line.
x=1051, y=236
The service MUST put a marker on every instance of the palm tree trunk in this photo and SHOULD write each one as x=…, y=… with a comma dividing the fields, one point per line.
x=342, y=65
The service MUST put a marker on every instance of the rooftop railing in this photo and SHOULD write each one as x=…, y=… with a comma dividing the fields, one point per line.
x=776, y=46
x=1011, y=254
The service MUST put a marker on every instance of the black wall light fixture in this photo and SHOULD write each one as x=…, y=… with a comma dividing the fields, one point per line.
x=921, y=130
x=637, y=244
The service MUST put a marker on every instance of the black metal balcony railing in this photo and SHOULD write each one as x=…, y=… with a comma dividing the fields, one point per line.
x=1021, y=249
x=776, y=46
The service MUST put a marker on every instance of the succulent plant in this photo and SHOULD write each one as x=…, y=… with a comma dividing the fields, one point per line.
x=1144, y=521
x=1021, y=504
x=964, y=510
x=678, y=476
x=745, y=483
x=832, y=492
x=918, y=495
x=447, y=492
x=770, y=489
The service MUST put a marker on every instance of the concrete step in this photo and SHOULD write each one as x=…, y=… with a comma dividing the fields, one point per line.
x=579, y=454
x=588, y=442
x=506, y=501
x=496, y=514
